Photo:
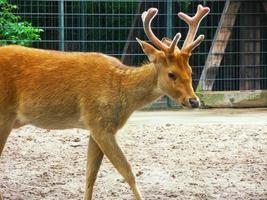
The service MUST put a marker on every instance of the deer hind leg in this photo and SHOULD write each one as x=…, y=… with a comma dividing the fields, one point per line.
x=94, y=159
x=108, y=144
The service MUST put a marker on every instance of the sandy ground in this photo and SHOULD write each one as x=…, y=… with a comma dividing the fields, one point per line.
x=172, y=160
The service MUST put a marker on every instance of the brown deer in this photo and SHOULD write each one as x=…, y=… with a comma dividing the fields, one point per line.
x=56, y=90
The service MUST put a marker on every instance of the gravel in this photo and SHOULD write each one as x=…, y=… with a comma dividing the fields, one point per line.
x=172, y=161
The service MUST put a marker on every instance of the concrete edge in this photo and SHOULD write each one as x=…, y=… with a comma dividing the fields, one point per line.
x=233, y=99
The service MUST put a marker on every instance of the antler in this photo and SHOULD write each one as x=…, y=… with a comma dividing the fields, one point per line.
x=193, y=23
x=147, y=18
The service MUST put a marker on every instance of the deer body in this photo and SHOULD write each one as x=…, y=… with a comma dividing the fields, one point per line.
x=57, y=90
x=93, y=91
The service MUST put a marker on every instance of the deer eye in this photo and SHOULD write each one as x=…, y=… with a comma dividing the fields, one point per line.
x=172, y=76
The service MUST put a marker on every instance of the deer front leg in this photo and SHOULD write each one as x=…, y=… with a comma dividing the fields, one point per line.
x=108, y=144
x=5, y=129
x=94, y=159
x=4, y=133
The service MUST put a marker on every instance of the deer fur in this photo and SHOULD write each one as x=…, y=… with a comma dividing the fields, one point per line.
x=42, y=83
x=93, y=91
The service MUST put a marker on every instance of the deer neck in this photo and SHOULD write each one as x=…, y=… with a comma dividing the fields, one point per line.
x=140, y=86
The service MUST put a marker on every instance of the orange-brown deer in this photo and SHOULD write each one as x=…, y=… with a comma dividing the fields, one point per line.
x=56, y=90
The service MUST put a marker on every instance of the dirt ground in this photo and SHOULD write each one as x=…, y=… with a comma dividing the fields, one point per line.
x=172, y=161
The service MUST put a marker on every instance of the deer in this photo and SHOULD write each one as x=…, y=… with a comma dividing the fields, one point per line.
x=93, y=91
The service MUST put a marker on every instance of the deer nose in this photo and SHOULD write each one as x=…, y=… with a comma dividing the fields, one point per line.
x=194, y=102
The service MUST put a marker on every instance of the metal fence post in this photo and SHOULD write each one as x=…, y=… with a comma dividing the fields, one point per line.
x=83, y=24
x=62, y=26
x=169, y=31
x=169, y=18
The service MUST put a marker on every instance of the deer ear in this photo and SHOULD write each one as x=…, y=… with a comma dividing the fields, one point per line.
x=149, y=50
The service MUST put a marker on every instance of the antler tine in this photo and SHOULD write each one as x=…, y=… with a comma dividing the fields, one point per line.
x=193, y=23
x=174, y=42
x=147, y=18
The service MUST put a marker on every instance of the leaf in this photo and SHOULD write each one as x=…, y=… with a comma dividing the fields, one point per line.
x=13, y=30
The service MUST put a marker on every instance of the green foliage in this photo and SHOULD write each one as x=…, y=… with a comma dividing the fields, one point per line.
x=185, y=5
x=13, y=30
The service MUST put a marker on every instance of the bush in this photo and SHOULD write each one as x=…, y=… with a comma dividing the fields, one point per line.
x=13, y=30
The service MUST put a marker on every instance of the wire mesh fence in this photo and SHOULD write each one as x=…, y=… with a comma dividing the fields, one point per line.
x=110, y=27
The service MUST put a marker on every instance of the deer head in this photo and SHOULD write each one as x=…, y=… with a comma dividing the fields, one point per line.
x=172, y=63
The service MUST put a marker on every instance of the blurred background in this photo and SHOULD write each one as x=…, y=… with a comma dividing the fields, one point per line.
x=232, y=58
